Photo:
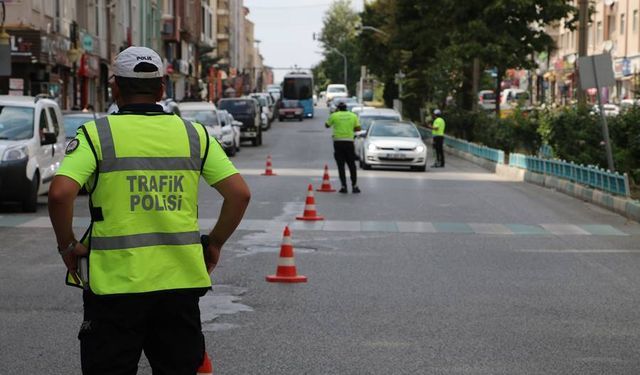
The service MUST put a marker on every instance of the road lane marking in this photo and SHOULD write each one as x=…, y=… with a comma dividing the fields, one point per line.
x=277, y=224
x=564, y=229
x=398, y=174
x=482, y=228
x=578, y=251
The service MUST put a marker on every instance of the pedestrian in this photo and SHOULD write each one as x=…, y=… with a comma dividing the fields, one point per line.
x=344, y=124
x=146, y=268
x=437, y=131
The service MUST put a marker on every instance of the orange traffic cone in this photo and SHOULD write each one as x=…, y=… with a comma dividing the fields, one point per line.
x=286, y=271
x=268, y=171
x=310, y=207
x=326, y=183
x=205, y=368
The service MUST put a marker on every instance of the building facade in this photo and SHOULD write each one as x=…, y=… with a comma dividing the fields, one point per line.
x=64, y=48
x=614, y=29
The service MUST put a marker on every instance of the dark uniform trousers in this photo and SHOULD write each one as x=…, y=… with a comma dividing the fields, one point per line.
x=438, y=145
x=343, y=151
x=117, y=328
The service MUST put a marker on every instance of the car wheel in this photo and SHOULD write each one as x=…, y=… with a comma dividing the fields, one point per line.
x=421, y=168
x=300, y=119
x=231, y=151
x=260, y=139
x=364, y=165
x=280, y=119
x=254, y=142
x=30, y=201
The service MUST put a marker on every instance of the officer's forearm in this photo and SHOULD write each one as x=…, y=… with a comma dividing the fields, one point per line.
x=236, y=196
x=61, y=197
x=230, y=216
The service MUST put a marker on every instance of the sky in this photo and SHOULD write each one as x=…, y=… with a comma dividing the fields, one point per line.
x=285, y=29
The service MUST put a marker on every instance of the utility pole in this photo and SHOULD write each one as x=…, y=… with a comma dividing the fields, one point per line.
x=583, y=15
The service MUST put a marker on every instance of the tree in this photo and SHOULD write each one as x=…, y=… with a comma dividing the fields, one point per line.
x=339, y=36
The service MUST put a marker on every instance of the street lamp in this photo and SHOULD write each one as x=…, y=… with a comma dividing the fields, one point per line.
x=375, y=29
x=344, y=58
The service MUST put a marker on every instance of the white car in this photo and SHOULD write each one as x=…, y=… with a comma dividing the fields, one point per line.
x=336, y=91
x=610, y=110
x=367, y=116
x=393, y=143
x=32, y=145
x=206, y=114
x=230, y=131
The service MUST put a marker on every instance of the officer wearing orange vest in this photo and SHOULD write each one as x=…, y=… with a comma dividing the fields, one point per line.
x=146, y=269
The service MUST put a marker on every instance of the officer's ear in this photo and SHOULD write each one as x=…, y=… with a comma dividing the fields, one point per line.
x=160, y=92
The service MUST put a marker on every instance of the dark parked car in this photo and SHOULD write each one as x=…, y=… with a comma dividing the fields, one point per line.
x=247, y=111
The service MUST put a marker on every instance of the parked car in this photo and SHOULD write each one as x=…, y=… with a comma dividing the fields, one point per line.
x=230, y=132
x=487, y=100
x=393, y=143
x=610, y=110
x=515, y=97
x=32, y=145
x=73, y=120
x=369, y=116
x=247, y=112
x=267, y=107
x=336, y=91
x=291, y=109
x=206, y=114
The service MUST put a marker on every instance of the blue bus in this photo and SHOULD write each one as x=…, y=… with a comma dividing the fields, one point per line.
x=299, y=86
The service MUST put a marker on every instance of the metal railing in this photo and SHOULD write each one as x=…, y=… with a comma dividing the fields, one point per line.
x=474, y=149
x=601, y=179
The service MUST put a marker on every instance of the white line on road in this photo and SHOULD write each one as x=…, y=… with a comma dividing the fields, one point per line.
x=578, y=251
x=399, y=174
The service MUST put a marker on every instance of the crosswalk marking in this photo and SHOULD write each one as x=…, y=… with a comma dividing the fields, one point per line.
x=276, y=225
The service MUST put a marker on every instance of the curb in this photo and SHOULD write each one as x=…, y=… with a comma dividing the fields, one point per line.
x=624, y=206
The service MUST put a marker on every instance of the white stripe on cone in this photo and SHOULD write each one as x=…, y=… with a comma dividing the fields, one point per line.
x=286, y=262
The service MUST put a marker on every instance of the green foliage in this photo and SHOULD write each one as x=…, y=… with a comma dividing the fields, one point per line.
x=625, y=138
x=339, y=36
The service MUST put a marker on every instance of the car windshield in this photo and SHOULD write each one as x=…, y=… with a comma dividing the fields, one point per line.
x=262, y=100
x=394, y=130
x=205, y=117
x=72, y=123
x=488, y=96
x=16, y=122
x=336, y=89
x=366, y=121
x=236, y=107
x=290, y=104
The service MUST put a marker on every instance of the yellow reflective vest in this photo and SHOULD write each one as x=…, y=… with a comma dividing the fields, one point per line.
x=144, y=235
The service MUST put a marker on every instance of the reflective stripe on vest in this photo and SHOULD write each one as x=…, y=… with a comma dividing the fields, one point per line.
x=149, y=239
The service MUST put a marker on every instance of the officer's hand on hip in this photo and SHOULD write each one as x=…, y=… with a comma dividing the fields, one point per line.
x=70, y=258
x=211, y=256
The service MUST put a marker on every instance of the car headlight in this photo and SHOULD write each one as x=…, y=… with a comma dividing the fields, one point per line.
x=420, y=148
x=372, y=147
x=15, y=153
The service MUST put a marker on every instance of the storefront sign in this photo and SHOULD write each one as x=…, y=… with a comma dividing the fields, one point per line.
x=25, y=44
x=87, y=42
x=16, y=84
x=89, y=66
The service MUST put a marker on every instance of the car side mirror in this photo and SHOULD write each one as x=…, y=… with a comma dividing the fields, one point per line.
x=48, y=138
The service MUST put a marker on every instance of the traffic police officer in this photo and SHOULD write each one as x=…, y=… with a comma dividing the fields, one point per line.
x=437, y=130
x=344, y=124
x=146, y=267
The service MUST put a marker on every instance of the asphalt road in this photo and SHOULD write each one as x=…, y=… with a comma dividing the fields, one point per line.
x=449, y=271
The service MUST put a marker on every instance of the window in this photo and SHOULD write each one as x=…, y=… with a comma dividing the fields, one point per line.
x=622, y=25
x=598, y=33
x=635, y=20
x=42, y=125
x=54, y=120
x=611, y=20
